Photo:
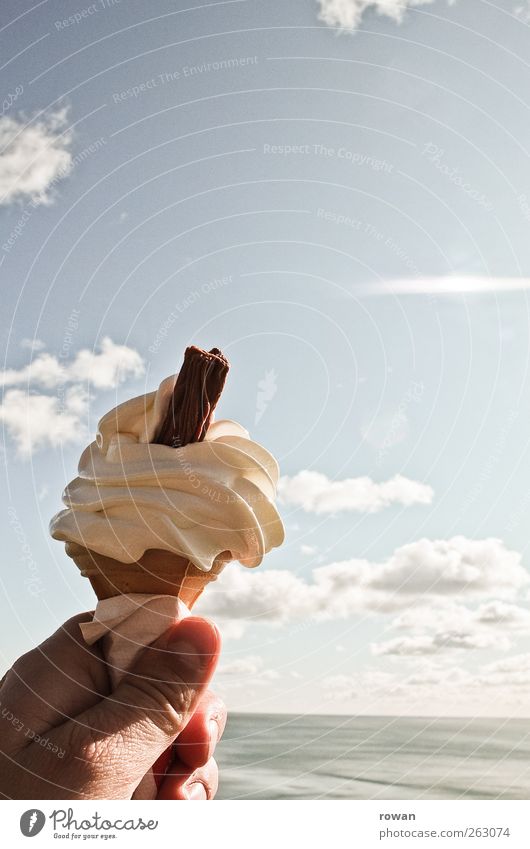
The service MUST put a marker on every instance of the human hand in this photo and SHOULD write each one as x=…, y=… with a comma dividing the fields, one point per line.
x=64, y=735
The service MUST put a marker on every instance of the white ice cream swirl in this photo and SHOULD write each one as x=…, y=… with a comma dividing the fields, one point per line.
x=197, y=501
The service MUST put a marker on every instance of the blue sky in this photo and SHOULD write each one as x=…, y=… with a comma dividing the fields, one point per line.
x=338, y=196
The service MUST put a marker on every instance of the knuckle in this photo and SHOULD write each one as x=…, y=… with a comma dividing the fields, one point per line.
x=90, y=749
x=165, y=703
x=22, y=664
x=83, y=744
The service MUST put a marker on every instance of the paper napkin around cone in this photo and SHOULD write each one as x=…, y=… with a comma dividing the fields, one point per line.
x=126, y=624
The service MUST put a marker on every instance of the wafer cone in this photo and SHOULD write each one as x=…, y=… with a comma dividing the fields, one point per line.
x=156, y=572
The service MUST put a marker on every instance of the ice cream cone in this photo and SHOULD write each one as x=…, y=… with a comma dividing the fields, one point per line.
x=156, y=572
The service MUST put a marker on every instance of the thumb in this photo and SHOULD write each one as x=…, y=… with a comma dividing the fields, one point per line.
x=117, y=740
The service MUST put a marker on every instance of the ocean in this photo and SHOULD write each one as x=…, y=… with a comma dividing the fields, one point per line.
x=274, y=756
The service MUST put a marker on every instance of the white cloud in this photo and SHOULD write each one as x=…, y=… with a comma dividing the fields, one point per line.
x=444, y=626
x=231, y=629
x=269, y=675
x=452, y=689
x=522, y=11
x=340, y=688
x=35, y=421
x=446, y=615
x=33, y=155
x=441, y=642
x=269, y=596
x=316, y=493
x=104, y=370
x=242, y=667
x=43, y=492
x=349, y=687
x=437, y=675
x=456, y=566
x=244, y=672
x=45, y=371
x=308, y=550
x=440, y=615
x=505, y=616
x=348, y=14
x=114, y=365
x=508, y=673
x=32, y=344
x=413, y=577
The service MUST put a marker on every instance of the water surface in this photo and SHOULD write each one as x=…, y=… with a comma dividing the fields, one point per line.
x=273, y=756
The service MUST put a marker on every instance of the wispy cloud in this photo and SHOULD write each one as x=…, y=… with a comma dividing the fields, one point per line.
x=348, y=14
x=314, y=492
x=33, y=155
x=32, y=344
x=411, y=691
x=509, y=672
x=442, y=642
x=522, y=11
x=454, y=284
x=244, y=673
x=451, y=616
x=242, y=667
x=445, y=627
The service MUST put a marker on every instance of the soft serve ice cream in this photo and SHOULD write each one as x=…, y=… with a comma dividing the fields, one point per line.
x=165, y=496
x=196, y=501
